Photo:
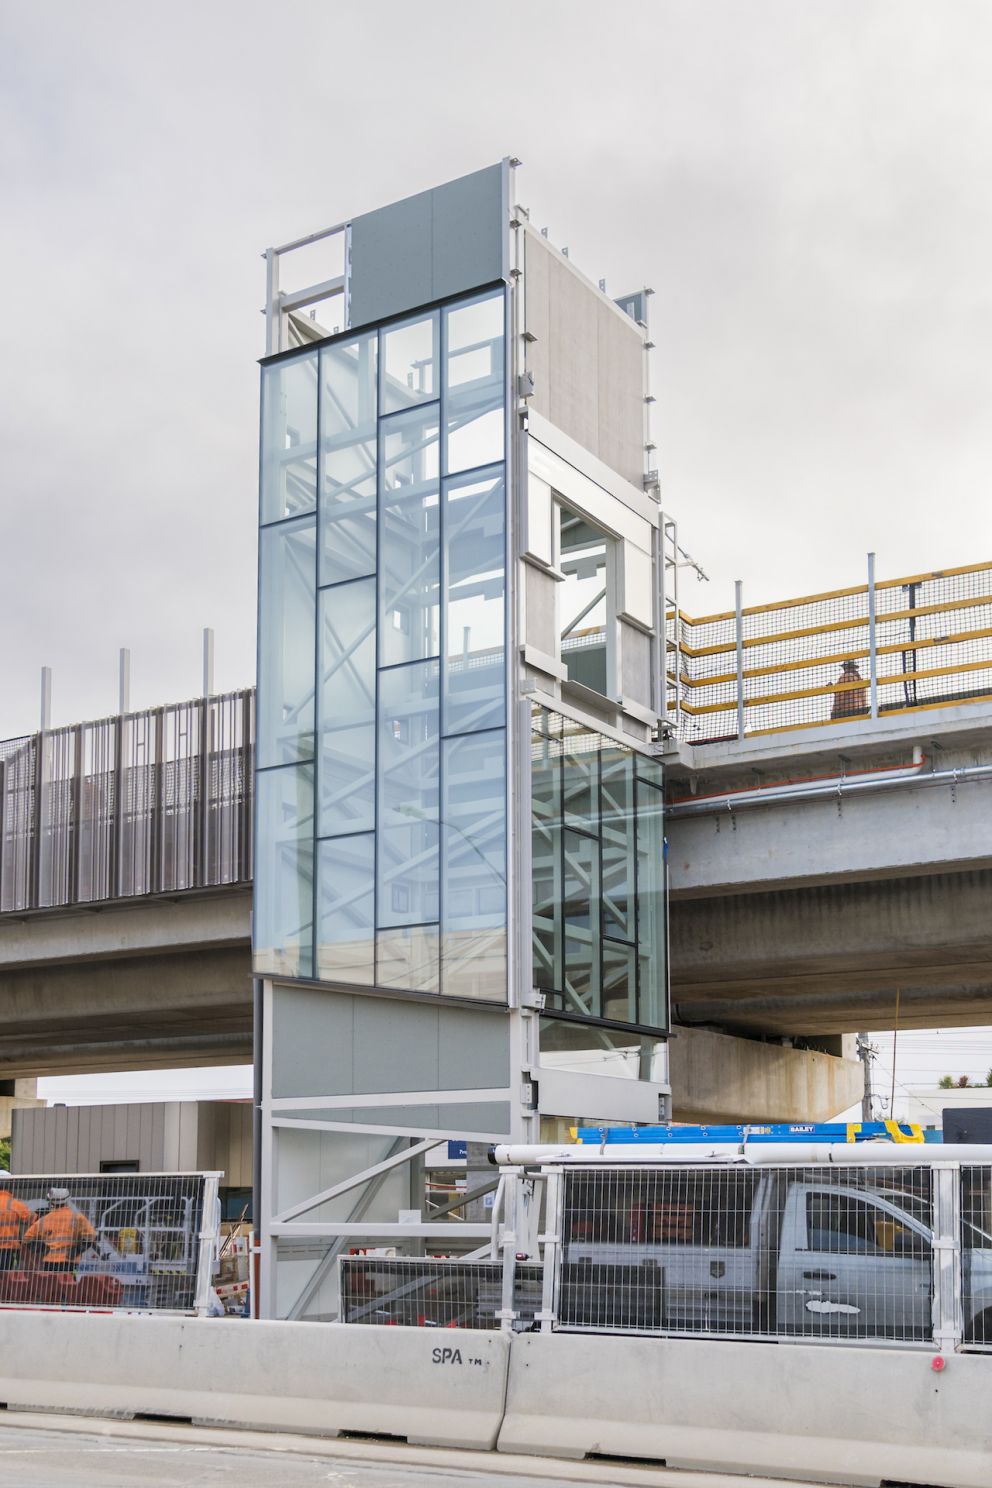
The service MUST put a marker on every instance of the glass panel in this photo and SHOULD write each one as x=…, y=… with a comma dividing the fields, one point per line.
x=474, y=586
x=586, y=1049
x=346, y=766
x=619, y=982
x=473, y=824
x=581, y=893
x=546, y=856
x=410, y=546
x=348, y=460
x=282, y=916
x=583, y=608
x=409, y=363
x=407, y=958
x=287, y=563
x=289, y=438
x=474, y=383
x=651, y=938
x=346, y=910
x=408, y=795
x=617, y=817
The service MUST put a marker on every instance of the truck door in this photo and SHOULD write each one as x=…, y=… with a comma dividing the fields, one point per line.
x=852, y=1266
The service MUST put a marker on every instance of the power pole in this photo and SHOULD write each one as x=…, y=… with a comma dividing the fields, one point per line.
x=864, y=1054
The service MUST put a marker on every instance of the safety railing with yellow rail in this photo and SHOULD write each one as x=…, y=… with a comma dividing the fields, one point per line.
x=879, y=648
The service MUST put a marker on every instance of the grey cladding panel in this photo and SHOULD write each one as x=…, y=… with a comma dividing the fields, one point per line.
x=331, y=1043
x=429, y=246
x=312, y=1038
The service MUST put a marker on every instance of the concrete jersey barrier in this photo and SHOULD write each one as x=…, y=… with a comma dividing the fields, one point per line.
x=433, y=1387
x=821, y=1413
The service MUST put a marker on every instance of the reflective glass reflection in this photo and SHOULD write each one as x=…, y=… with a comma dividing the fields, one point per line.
x=409, y=779
x=409, y=363
x=585, y=1049
x=282, y=911
x=289, y=438
x=473, y=822
x=345, y=909
x=474, y=383
x=598, y=871
x=407, y=959
x=346, y=726
x=287, y=603
x=409, y=549
x=474, y=590
x=348, y=460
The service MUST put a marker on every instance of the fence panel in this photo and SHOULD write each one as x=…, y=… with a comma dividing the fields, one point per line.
x=811, y=1252
x=135, y=1241
x=976, y=1255
x=435, y=1293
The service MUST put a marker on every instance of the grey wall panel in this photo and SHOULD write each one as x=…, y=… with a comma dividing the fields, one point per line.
x=540, y=611
x=473, y=1049
x=429, y=246
x=636, y=666
x=312, y=1041
x=620, y=368
x=330, y=1043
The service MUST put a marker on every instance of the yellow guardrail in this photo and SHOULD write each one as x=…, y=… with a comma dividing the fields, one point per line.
x=836, y=657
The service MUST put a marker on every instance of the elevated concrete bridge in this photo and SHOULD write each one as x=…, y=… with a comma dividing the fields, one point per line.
x=830, y=855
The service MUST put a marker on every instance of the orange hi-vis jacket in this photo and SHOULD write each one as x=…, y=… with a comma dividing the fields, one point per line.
x=64, y=1231
x=13, y=1217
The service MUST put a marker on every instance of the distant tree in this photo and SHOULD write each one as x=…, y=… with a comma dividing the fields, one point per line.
x=5, y=1153
x=988, y=1078
x=945, y=1083
x=963, y=1082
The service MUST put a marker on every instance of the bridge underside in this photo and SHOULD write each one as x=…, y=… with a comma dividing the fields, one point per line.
x=913, y=952
x=146, y=984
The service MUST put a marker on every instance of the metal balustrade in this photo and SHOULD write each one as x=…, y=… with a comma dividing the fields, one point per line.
x=144, y=803
x=880, y=648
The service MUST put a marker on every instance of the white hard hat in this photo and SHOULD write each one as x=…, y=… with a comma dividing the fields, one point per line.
x=58, y=1195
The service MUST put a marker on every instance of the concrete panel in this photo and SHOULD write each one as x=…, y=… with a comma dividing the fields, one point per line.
x=620, y=360
x=715, y=1077
x=473, y=1048
x=821, y=1413
x=429, y=246
x=915, y=828
x=126, y=928
x=312, y=1041
x=277, y=1376
x=396, y=1046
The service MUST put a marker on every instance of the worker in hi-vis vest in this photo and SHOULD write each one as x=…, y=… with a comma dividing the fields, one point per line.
x=14, y=1220
x=63, y=1232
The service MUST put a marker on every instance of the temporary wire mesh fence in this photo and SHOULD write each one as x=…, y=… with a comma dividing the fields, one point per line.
x=144, y=803
x=816, y=1252
x=435, y=1293
x=139, y=1242
x=976, y=1255
x=807, y=662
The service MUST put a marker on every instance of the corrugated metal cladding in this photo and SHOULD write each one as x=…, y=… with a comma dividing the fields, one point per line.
x=160, y=1136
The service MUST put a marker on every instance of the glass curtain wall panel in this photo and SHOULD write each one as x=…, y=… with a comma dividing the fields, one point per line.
x=346, y=909
x=286, y=641
x=283, y=900
x=473, y=382
x=383, y=655
x=410, y=540
x=474, y=602
x=348, y=434
x=289, y=438
x=473, y=873
x=409, y=789
x=599, y=877
x=346, y=709
x=409, y=361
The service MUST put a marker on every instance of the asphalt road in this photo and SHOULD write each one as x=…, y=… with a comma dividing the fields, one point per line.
x=118, y=1455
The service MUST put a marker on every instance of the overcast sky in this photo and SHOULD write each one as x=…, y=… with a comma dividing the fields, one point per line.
x=804, y=183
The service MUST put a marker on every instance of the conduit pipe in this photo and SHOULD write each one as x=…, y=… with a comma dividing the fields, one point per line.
x=757, y=1154
x=835, y=789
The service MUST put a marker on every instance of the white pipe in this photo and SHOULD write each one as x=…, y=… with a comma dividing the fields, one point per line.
x=830, y=789
x=758, y=1154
